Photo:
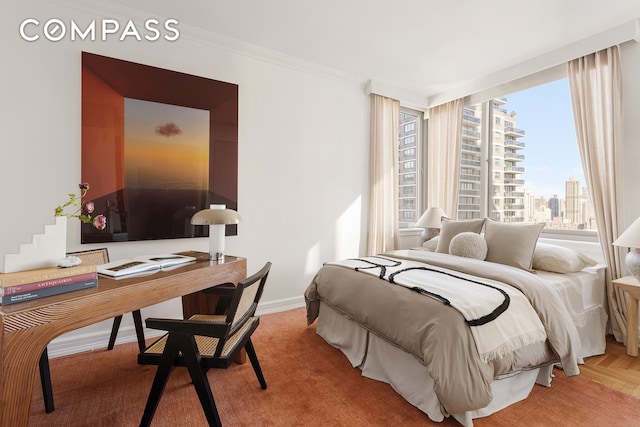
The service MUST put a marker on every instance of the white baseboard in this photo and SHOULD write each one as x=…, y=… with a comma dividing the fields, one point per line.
x=66, y=345
x=72, y=344
x=280, y=305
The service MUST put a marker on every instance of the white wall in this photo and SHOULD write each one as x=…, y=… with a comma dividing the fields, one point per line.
x=630, y=154
x=303, y=150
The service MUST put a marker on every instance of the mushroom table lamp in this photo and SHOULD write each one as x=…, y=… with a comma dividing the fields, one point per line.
x=431, y=221
x=216, y=218
x=631, y=239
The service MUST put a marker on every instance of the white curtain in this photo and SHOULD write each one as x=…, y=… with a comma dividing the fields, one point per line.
x=443, y=156
x=383, y=175
x=595, y=82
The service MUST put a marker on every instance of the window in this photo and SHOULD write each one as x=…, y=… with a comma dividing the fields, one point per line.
x=408, y=167
x=535, y=171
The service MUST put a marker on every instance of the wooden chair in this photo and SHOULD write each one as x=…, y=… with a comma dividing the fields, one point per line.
x=96, y=257
x=206, y=341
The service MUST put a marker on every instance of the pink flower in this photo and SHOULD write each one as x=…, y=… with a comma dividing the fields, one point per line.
x=88, y=207
x=100, y=222
x=83, y=210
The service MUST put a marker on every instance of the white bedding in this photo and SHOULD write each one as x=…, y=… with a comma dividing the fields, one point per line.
x=585, y=292
x=382, y=361
x=589, y=282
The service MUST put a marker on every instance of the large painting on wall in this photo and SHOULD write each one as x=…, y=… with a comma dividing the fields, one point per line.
x=157, y=146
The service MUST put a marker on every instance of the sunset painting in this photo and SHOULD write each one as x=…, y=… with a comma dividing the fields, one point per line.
x=166, y=146
x=157, y=146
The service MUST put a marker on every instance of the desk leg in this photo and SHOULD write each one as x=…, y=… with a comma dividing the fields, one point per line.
x=19, y=362
x=632, y=325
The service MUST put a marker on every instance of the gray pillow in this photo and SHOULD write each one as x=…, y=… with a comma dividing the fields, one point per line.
x=451, y=228
x=469, y=245
x=511, y=243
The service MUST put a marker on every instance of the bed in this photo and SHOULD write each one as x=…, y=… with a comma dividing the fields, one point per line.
x=425, y=348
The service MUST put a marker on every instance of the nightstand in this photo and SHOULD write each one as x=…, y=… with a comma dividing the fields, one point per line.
x=631, y=286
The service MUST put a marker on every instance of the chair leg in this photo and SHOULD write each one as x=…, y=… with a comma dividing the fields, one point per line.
x=160, y=380
x=251, y=352
x=45, y=379
x=199, y=379
x=114, y=331
x=137, y=321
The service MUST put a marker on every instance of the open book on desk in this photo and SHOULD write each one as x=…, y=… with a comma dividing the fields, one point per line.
x=143, y=264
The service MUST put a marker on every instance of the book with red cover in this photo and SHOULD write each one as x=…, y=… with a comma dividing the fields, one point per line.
x=41, y=274
x=33, y=286
x=47, y=292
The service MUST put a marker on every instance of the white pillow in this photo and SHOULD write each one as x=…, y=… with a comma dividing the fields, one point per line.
x=511, y=243
x=468, y=244
x=450, y=228
x=431, y=244
x=559, y=259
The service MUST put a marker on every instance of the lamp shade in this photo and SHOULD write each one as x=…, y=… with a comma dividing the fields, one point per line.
x=215, y=216
x=431, y=218
x=631, y=239
x=631, y=236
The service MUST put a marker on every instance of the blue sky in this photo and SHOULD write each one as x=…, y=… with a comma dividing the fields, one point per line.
x=551, y=148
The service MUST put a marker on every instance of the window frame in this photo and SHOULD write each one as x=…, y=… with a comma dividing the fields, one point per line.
x=488, y=147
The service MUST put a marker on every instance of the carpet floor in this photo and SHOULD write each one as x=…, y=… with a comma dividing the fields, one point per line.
x=309, y=384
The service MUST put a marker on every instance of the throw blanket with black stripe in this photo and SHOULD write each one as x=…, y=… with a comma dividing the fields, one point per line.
x=500, y=317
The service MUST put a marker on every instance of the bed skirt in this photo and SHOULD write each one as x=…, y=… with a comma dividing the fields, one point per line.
x=380, y=360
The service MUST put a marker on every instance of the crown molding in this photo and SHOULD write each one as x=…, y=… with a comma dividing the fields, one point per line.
x=109, y=9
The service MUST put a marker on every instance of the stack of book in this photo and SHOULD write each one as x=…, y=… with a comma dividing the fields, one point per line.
x=44, y=282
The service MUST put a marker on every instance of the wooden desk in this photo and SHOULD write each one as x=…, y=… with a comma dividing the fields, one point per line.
x=631, y=287
x=26, y=328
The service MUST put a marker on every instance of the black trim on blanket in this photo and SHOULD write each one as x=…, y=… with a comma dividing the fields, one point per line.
x=382, y=267
x=474, y=322
x=419, y=290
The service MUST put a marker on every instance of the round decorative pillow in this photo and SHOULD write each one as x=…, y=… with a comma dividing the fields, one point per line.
x=469, y=245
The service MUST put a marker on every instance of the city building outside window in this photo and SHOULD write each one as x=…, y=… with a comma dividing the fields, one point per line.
x=536, y=174
x=409, y=162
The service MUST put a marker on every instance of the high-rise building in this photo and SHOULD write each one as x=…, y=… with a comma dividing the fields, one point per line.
x=507, y=199
x=470, y=190
x=505, y=136
x=408, y=170
x=554, y=206
x=529, y=206
x=572, y=201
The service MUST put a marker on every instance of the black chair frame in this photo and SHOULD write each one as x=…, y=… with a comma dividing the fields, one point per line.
x=181, y=349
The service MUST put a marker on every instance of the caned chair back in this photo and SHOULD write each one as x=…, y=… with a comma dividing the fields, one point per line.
x=93, y=256
x=245, y=300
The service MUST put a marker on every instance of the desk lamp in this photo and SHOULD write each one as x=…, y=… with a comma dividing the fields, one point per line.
x=216, y=218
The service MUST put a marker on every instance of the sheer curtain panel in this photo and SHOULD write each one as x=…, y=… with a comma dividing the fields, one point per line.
x=595, y=82
x=443, y=156
x=382, y=232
